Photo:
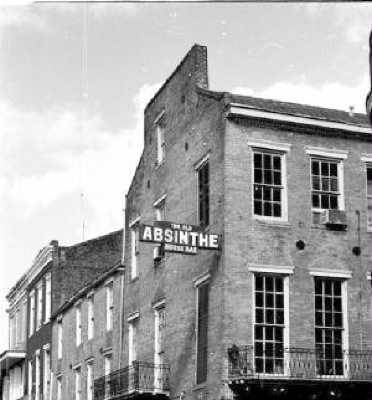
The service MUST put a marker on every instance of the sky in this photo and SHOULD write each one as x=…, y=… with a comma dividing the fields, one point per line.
x=75, y=78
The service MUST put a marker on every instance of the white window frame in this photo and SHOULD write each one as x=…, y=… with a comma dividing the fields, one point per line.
x=327, y=154
x=90, y=315
x=90, y=380
x=109, y=305
x=281, y=149
x=132, y=337
x=48, y=297
x=158, y=308
x=199, y=164
x=285, y=273
x=344, y=275
x=78, y=324
x=134, y=251
x=39, y=305
x=59, y=338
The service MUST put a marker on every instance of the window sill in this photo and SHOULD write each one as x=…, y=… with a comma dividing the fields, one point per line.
x=272, y=222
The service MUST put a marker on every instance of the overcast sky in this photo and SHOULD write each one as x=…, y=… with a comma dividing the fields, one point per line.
x=56, y=142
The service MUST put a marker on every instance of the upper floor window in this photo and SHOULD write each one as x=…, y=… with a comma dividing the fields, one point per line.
x=90, y=317
x=31, y=317
x=132, y=338
x=325, y=184
x=39, y=309
x=109, y=305
x=203, y=193
x=268, y=184
x=78, y=324
x=90, y=380
x=134, y=247
x=48, y=297
x=369, y=196
x=160, y=139
x=159, y=207
x=59, y=387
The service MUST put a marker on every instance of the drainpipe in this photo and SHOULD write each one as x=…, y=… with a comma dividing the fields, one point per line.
x=122, y=287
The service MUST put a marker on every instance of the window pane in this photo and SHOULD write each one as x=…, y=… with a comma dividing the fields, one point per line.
x=267, y=208
x=258, y=208
x=316, y=182
x=267, y=161
x=267, y=193
x=267, y=177
x=257, y=160
x=277, y=210
x=325, y=168
x=276, y=194
x=315, y=167
x=259, y=299
x=277, y=165
x=258, y=192
x=258, y=176
x=277, y=178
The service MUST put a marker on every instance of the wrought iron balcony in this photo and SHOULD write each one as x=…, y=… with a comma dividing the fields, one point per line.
x=137, y=379
x=299, y=364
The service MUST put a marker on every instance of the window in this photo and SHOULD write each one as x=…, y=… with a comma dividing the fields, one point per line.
x=202, y=332
x=78, y=324
x=369, y=196
x=107, y=366
x=46, y=370
x=32, y=313
x=37, y=375
x=29, y=379
x=90, y=381
x=325, y=184
x=160, y=141
x=90, y=317
x=134, y=243
x=269, y=324
x=109, y=305
x=59, y=339
x=329, y=326
x=132, y=350
x=12, y=331
x=77, y=383
x=39, y=310
x=59, y=388
x=268, y=184
x=203, y=194
x=48, y=297
x=159, y=207
x=159, y=346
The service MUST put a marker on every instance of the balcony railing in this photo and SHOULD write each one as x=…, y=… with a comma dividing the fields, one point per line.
x=140, y=377
x=299, y=364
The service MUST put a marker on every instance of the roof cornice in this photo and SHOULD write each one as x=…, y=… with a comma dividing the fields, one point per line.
x=242, y=110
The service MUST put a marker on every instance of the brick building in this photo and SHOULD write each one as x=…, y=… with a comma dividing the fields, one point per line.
x=56, y=273
x=87, y=336
x=282, y=309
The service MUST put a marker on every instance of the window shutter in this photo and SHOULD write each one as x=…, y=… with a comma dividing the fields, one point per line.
x=202, y=334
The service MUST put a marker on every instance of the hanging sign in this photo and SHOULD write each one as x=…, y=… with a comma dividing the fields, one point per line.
x=179, y=238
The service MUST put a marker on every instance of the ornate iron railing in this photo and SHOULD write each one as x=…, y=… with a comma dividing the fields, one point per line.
x=302, y=364
x=141, y=377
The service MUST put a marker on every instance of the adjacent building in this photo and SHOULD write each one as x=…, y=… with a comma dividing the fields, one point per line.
x=369, y=97
x=55, y=275
x=282, y=308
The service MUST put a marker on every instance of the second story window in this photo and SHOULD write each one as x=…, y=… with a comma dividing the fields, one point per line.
x=325, y=184
x=78, y=324
x=31, y=317
x=39, y=309
x=59, y=339
x=132, y=339
x=48, y=298
x=59, y=387
x=90, y=317
x=77, y=383
x=369, y=196
x=202, y=332
x=90, y=380
x=268, y=184
x=109, y=305
x=203, y=193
